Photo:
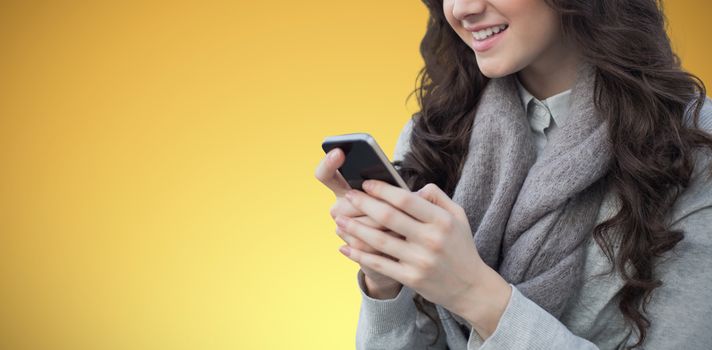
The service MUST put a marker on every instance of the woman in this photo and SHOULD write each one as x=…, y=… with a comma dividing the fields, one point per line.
x=562, y=158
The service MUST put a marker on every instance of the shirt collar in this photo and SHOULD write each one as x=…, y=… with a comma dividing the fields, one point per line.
x=558, y=105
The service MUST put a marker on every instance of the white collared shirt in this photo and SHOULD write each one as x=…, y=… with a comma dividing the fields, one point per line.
x=545, y=117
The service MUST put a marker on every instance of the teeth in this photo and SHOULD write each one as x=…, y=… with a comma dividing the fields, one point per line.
x=486, y=33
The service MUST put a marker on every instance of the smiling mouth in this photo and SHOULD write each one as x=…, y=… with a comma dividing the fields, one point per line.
x=489, y=32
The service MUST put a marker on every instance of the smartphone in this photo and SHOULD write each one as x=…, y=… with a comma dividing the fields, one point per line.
x=364, y=160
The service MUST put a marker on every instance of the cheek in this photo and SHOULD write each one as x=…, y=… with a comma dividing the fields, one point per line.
x=540, y=36
x=545, y=29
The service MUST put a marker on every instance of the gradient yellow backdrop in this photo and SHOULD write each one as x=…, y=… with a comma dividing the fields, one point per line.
x=157, y=160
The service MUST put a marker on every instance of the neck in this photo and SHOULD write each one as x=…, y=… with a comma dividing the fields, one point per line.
x=553, y=73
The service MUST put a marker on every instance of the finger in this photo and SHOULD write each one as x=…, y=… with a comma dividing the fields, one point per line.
x=359, y=244
x=385, y=214
x=327, y=172
x=382, y=265
x=343, y=206
x=432, y=193
x=376, y=239
x=409, y=202
x=353, y=241
x=370, y=222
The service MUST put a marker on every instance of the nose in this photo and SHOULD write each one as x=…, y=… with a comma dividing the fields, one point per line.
x=464, y=8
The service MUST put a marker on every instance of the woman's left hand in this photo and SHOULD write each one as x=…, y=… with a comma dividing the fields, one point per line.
x=438, y=257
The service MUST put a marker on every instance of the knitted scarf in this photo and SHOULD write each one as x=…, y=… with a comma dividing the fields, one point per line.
x=530, y=215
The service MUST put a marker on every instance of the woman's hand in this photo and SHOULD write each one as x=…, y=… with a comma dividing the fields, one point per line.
x=327, y=172
x=438, y=257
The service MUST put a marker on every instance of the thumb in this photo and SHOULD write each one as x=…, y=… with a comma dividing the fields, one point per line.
x=435, y=195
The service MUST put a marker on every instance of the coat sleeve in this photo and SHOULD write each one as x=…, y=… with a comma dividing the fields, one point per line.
x=395, y=324
x=525, y=325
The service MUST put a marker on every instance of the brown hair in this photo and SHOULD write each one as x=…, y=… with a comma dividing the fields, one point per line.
x=641, y=92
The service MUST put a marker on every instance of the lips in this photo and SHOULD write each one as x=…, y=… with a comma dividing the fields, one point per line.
x=479, y=27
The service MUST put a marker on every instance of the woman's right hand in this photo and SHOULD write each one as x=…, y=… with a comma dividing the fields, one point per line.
x=327, y=172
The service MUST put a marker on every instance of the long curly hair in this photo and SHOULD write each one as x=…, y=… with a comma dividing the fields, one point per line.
x=641, y=91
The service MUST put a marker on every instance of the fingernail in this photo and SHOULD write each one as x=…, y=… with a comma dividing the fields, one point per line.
x=345, y=250
x=367, y=184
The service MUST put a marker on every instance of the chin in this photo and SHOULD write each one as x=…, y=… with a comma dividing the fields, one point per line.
x=493, y=69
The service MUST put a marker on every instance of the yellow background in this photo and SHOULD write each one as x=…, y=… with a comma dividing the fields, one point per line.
x=157, y=161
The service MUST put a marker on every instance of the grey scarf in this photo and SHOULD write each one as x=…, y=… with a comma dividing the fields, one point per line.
x=531, y=215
